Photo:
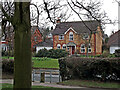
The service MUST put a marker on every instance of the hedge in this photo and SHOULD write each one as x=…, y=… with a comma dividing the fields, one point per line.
x=52, y=53
x=90, y=68
x=117, y=53
x=8, y=66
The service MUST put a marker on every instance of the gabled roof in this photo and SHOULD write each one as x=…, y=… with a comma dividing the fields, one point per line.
x=34, y=28
x=78, y=26
x=114, y=39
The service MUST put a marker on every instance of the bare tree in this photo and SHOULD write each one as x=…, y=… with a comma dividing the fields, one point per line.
x=18, y=15
x=20, y=20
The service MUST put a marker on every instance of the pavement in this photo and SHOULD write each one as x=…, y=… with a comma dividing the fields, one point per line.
x=55, y=85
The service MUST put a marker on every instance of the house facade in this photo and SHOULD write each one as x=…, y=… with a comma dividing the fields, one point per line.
x=114, y=42
x=36, y=37
x=7, y=40
x=75, y=37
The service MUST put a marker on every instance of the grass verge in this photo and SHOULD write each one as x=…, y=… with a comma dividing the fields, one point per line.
x=87, y=83
x=45, y=63
x=6, y=86
x=42, y=62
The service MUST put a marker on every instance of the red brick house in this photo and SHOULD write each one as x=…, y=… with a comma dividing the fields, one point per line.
x=7, y=40
x=36, y=37
x=72, y=36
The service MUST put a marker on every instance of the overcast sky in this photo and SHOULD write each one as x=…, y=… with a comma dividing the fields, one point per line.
x=110, y=7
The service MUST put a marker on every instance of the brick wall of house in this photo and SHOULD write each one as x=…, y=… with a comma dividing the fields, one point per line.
x=78, y=40
x=38, y=36
x=98, y=41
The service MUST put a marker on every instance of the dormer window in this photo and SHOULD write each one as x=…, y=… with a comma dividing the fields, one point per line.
x=85, y=36
x=71, y=36
x=61, y=37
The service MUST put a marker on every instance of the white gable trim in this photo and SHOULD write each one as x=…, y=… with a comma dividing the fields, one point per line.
x=70, y=29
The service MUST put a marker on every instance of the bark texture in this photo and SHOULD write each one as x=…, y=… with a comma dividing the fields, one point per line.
x=22, y=53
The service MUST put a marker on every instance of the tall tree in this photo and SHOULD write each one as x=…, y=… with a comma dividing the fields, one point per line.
x=22, y=43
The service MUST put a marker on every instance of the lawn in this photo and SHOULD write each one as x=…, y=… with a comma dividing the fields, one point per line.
x=7, y=57
x=42, y=62
x=7, y=86
x=45, y=63
x=88, y=83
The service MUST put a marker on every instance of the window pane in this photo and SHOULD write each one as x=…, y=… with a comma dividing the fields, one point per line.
x=61, y=37
x=58, y=46
x=71, y=36
x=89, y=49
x=83, y=48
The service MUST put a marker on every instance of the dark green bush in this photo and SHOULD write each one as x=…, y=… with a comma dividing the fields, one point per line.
x=90, y=68
x=117, y=53
x=7, y=53
x=8, y=66
x=42, y=53
x=58, y=53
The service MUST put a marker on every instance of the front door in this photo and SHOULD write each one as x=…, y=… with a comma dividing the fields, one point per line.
x=73, y=49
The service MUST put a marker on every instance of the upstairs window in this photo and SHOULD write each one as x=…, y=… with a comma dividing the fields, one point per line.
x=85, y=36
x=58, y=46
x=89, y=49
x=35, y=38
x=61, y=37
x=64, y=46
x=82, y=48
x=71, y=36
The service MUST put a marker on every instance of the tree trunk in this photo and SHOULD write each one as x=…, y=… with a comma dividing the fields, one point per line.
x=22, y=46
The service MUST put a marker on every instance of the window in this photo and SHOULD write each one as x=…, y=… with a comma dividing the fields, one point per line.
x=64, y=46
x=61, y=37
x=68, y=48
x=82, y=48
x=71, y=36
x=58, y=46
x=89, y=49
x=35, y=38
x=85, y=36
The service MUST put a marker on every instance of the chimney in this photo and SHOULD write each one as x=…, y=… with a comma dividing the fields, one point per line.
x=58, y=20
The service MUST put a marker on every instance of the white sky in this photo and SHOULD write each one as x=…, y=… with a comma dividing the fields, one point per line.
x=111, y=8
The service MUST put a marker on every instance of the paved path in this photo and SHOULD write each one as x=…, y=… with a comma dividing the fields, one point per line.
x=54, y=85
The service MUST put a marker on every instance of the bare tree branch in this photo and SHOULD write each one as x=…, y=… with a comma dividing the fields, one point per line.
x=37, y=12
x=78, y=15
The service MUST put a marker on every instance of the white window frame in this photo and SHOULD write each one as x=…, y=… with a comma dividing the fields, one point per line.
x=61, y=37
x=58, y=45
x=82, y=48
x=86, y=36
x=71, y=36
x=64, y=46
x=89, y=48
